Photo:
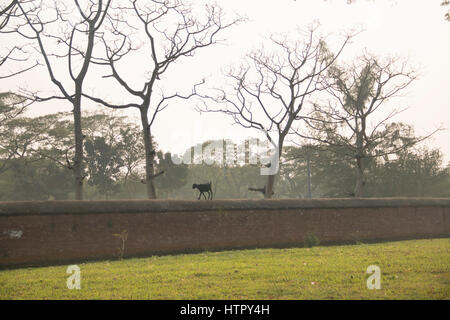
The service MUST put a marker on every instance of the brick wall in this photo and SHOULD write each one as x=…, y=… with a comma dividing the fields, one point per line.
x=52, y=232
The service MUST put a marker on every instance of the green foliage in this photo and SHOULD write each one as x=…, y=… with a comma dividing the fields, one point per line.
x=413, y=173
x=103, y=164
x=408, y=173
x=39, y=153
x=331, y=174
x=311, y=240
x=35, y=180
x=174, y=177
x=15, y=133
x=36, y=156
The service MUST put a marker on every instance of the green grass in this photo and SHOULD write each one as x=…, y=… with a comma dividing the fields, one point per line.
x=418, y=269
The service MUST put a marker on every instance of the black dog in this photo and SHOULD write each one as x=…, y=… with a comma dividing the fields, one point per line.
x=206, y=187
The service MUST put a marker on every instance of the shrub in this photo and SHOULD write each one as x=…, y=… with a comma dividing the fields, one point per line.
x=311, y=240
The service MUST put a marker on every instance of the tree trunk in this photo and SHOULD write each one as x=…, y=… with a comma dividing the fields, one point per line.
x=360, y=179
x=308, y=169
x=78, y=168
x=269, y=186
x=271, y=178
x=149, y=155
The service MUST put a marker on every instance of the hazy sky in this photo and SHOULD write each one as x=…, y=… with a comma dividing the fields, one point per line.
x=414, y=29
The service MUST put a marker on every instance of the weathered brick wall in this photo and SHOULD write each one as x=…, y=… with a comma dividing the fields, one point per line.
x=38, y=232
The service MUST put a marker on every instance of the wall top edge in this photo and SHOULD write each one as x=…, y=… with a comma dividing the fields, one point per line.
x=61, y=207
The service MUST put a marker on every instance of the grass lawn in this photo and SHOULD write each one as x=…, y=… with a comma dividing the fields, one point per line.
x=418, y=269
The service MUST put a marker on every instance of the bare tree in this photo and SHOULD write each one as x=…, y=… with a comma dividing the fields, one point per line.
x=348, y=121
x=270, y=90
x=6, y=11
x=17, y=53
x=171, y=32
x=85, y=20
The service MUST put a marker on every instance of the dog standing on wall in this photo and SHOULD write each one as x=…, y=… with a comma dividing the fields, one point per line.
x=204, y=188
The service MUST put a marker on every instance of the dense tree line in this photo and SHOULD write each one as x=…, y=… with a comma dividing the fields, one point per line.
x=294, y=86
x=36, y=157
